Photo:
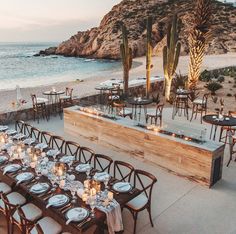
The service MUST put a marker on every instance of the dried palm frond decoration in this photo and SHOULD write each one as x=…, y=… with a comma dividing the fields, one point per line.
x=199, y=37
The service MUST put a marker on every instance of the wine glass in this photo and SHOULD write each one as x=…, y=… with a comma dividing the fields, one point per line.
x=73, y=190
x=106, y=180
x=25, y=162
x=53, y=180
x=38, y=171
x=88, y=169
x=70, y=163
x=92, y=203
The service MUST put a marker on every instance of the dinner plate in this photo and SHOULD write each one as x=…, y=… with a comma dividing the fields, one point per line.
x=101, y=176
x=11, y=132
x=77, y=214
x=25, y=176
x=58, y=200
x=12, y=168
x=122, y=187
x=39, y=188
x=3, y=159
x=18, y=136
x=3, y=128
x=41, y=146
x=67, y=159
x=82, y=167
x=53, y=152
x=29, y=141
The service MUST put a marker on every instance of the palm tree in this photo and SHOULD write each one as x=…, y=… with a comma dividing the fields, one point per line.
x=199, y=38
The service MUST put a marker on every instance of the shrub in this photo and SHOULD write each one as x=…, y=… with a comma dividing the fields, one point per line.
x=213, y=87
x=205, y=76
x=221, y=79
x=229, y=95
x=229, y=81
x=179, y=81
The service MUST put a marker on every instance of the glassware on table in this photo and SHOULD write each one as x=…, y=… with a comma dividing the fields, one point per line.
x=70, y=163
x=38, y=171
x=92, y=203
x=73, y=190
x=53, y=180
x=88, y=169
x=106, y=180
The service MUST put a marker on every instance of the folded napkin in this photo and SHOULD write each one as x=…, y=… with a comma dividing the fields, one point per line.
x=57, y=200
x=11, y=168
x=114, y=218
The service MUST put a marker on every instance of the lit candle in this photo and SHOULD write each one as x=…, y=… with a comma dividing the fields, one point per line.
x=85, y=197
x=93, y=192
x=34, y=158
x=32, y=164
x=59, y=172
x=62, y=183
x=110, y=196
x=86, y=183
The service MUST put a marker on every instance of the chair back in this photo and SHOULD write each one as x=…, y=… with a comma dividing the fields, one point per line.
x=27, y=129
x=122, y=171
x=119, y=107
x=159, y=109
x=205, y=98
x=57, y=142
x=69, y=91
x=35, y=133
x=19, y=126
x=102, y=163
x=26, y=224
x=72, y=148
x=144, y=181
x=46, y=137
x=9, y=208
x=85, y=155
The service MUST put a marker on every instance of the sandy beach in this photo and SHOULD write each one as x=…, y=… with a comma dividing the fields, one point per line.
x=86, y=87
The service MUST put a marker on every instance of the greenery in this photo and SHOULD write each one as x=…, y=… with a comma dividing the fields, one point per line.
x=179, y=81
x=213, y=87
x=221, y=79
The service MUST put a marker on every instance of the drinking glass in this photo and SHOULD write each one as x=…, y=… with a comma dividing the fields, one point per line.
x=92, y=203
x=73, y=190
x=70, y=166
x=88, y=172
x=38, y=171
x=25, y=162
x=106, y=180
x=53, y=180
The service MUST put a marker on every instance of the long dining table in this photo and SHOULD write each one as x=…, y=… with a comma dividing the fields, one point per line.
x=58, y=214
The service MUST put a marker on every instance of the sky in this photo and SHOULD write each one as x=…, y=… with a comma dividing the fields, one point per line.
x=49, y=20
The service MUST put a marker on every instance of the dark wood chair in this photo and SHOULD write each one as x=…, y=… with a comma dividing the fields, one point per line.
x=67, y=99
x=122, y=171
x=27, y=130
x=225, y=131
x=180, y=105
x=10, y=203
x=46, y=137
x=19, y=126
x=85, y=155
x=35, y=133
x=143, y=181
x=4, y=189
x=72, y=148
x=155, y=115
x=200, y=106
x=39, y=108
x=120, y=109
x=113, y=95
x=102, y=162
x=57, y=142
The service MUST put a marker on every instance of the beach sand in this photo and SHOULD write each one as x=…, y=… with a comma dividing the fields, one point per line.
x=86, y=87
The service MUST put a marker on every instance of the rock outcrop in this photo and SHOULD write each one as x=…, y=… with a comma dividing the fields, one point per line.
x=104, y=41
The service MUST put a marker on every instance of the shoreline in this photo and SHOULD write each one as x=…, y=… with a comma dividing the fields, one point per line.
x=86, y=87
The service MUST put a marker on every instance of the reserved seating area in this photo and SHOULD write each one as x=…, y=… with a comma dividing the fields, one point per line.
x=24, y=207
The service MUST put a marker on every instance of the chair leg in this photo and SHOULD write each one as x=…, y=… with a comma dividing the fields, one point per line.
x=192, y=113
x=150, y=215
x=135, y=221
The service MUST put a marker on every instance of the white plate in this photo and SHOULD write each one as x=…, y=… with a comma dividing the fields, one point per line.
x=100, y=176
x=53, y=152
x=41, y=146
x=19, y=136
x=3, y=128
x=122, y=187
x=58, y=200
x=12, y=168
x=77, y=214
x=39, y=188
x=29, y=141
x=82, y=167
x=11, y=132
x=67, y=159
x=3, y=159
x=25, y=176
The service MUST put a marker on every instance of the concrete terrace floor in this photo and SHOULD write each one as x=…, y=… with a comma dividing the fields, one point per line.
x=179, y=206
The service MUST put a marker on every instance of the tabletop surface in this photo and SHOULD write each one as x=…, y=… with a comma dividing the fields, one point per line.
x=225, y=121
x=143, y=101
x=50, y=92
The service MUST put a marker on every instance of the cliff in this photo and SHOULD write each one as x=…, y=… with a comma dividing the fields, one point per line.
x=103, y=41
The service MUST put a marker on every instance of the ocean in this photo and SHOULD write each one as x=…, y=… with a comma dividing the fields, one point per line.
x=18, y=66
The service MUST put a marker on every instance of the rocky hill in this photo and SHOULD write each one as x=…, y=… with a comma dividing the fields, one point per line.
x=104, y=41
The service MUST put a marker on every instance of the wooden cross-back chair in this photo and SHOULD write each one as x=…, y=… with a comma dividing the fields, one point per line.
x=85, y=155
x=27, y=130
x=123, y=171
x=143, y=181
x=35, y=133
x=72, y=148
x=102, y=162
x=19, y=126
x=157, y=114
x=46, y=137
x=57, y=142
